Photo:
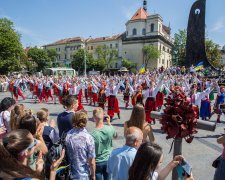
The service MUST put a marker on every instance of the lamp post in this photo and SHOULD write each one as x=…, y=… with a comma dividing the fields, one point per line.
x=85, y=63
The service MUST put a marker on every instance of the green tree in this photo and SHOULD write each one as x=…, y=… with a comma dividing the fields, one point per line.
x=40, y=57
x=128, y=64
x=107, y=55
x=151, y=53
x=179, y=50
x=52, y=54
x=213, y=52
x=10, y=47
x=78, y=61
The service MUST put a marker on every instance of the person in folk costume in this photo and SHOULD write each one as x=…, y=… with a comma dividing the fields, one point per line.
x=196, y=97
x=31, y=87
x=86, y=91
x=75, y=90
x=16, y=88
x=56, y=90
x=48, y=89
x=150, y=94
x=126, y=94
x=90, y=93
x=159, y=99
x=101, y=93
x=113, y=104
x=137, y=97
x=40, y=92
x=66, y=87
x=94, y=93
x=11, y=83
x=220, y=102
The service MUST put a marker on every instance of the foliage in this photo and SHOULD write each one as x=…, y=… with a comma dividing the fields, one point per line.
x=106, y=55
x=213, y=52
x=128, y=64
x=179, y=50
x=10, y=47
x=52, y=54
x=40, y=57
x=78, y=61
x=150, y=53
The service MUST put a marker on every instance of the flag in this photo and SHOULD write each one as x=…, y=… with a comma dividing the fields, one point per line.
x=61, y=168
x=142, y=69
x=199, y=66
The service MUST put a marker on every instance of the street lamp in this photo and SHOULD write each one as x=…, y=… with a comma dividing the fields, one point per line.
x=85, y=57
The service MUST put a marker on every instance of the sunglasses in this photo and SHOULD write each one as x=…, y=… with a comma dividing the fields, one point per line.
x=33, y=144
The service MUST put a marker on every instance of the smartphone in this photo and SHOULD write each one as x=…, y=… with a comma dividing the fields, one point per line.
x=184, y=169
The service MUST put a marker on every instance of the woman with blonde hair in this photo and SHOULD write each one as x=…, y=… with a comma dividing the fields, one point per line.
x=16, y=114
x=137, y=119
x=81, y=148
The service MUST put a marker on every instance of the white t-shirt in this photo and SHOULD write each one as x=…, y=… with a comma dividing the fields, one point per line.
x=6, y=119
x=155, y=176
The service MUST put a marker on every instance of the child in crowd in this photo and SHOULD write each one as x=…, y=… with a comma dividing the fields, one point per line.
x=50, y=135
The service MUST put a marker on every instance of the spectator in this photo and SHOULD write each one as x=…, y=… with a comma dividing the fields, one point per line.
x=50, y=135
x=103, y=135
x=16, y=114
x=220, y=173
x=137, y=119
x=15, y=149
x=81, y=149
x=122, y=158
x=30, y=123
x=6, y=105
x=64, y=119
x=147, y=161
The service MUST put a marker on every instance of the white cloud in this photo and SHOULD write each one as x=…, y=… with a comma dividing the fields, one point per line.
x=219, y=25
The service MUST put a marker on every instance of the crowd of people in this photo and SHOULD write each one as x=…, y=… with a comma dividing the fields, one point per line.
x=27, y=138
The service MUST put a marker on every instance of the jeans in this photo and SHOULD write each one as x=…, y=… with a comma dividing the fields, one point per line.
x=101, y=172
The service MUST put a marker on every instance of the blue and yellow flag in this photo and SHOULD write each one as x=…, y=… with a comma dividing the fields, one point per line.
x=142, y=69
x=61, y=168
x=199, y=66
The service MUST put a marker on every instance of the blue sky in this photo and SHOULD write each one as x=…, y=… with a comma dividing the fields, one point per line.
x=45, y=21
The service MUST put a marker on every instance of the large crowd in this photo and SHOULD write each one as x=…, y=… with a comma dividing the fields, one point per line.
x=29, y=141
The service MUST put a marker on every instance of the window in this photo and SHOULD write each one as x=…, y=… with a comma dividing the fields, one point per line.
x=164, y=48
x=160, y=28
x=59, y=57
x=88, y=48
x=71, y=48
x=59, y=49
x=143, y=31
x=116, y=45
x=91, y=47
x=116, y=65
x=110, y=45
x=134, y=32
x=152, y=27
x=163, y=61
x=127, y=33
x=65, y=56
x=159, y=61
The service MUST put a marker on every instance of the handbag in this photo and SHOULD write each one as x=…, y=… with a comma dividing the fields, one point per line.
x=216, y=162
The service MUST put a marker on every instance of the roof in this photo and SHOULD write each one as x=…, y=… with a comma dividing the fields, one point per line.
x=166, y=29
x=140, y=14
x=65, y=41
x=107, y=38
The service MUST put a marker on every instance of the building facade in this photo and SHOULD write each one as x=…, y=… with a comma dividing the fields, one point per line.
x=141, y=30
x=223, y=55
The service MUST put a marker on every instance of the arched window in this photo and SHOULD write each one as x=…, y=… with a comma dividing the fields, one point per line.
x=143, y=31
x=134, y=31
x=152, y=27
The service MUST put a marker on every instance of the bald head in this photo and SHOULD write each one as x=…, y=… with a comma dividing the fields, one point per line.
x=134, y=137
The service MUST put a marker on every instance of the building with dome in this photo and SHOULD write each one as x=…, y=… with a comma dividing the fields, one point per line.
x=142, y=29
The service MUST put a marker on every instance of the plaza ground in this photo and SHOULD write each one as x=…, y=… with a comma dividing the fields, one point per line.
x=200, y=153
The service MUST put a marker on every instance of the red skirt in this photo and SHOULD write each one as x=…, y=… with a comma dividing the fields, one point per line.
x=95, y=97
x=159, y=99
x=113, y=106
x=126, y=98
x=150, y=105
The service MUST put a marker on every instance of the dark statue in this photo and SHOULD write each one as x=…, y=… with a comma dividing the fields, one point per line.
x=195, y=46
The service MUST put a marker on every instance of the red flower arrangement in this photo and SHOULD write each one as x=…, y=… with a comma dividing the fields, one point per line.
x=180, y=116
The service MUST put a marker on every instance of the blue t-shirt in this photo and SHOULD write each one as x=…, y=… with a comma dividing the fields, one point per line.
x=64, y=121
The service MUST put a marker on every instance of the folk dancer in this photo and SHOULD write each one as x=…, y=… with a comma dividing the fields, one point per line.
x=16, y=88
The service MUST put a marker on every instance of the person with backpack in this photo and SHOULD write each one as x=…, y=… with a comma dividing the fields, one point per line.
x=6, y=105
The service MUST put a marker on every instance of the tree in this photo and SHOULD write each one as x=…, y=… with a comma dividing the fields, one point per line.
x=106, y=55
x=150, y=53
x=40, y=57
x=52, y=54
x=213, y=52
x=78, y=61
x=10, y=47
x=179, y=50
x=128, y=64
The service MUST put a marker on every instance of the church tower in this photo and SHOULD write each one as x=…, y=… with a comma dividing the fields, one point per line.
x=145, y=5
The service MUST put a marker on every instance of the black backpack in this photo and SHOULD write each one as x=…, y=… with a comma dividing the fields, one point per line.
x=54, y=154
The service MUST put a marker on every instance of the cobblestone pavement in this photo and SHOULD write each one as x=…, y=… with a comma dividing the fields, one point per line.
x=200, y=153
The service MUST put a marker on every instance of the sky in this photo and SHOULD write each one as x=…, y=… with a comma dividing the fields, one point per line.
x=42, y=22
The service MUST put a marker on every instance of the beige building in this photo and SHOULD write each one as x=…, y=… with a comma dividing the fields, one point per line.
x=223, y=55
x=142, y=29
